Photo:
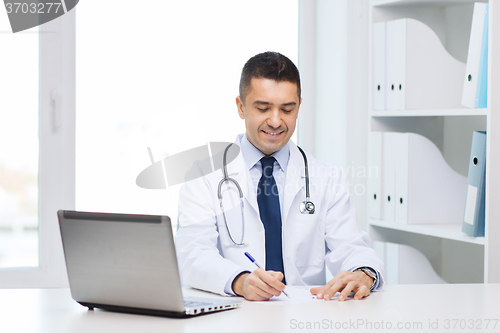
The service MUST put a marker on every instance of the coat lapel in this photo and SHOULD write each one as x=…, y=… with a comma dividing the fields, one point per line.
x=238, y=170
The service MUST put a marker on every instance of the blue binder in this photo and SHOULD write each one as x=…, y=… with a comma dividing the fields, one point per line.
x=473, y=223
x=482, y=79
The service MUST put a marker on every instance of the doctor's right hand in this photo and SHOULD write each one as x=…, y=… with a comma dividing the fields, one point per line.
x=260, y=285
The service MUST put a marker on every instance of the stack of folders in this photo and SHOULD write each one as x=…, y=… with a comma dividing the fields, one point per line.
x=474, y=215
x=412, y=69
x=409, y=181
x=476, y=78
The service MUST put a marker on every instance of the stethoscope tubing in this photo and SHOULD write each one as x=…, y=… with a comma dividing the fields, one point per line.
x=240, y=192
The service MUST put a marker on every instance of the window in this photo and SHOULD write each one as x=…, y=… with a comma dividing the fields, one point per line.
x=164, y=75
x=36, y=150
x=18, y=147
x=157, y=74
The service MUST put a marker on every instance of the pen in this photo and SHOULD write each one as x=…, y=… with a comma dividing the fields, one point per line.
x=257, y=264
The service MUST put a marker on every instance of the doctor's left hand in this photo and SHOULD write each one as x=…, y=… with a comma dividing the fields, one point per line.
x=345, y=282
x=260, y=285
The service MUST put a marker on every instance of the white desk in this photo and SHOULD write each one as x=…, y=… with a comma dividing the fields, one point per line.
x=53, y=310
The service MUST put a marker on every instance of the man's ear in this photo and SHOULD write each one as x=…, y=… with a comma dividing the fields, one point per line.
x=239, y=105
x=298, y=108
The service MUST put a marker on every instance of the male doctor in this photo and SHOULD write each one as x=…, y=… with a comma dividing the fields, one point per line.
x=291, y=247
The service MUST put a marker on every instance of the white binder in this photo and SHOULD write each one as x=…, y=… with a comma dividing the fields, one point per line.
x=391, y=263
x=402, y=147
x=420, y=73
x=379, y=66
x=400, y=63
x=389, y=175
x=473, y=57
x=390, y=67
x=435, y=193
x=374, y=173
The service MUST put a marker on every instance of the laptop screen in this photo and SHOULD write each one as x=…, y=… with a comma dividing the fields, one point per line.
x=121, y=259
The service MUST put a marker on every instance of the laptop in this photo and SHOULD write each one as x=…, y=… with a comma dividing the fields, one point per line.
x=127, y=263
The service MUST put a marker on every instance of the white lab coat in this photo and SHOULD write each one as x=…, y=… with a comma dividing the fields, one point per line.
x=208, y=259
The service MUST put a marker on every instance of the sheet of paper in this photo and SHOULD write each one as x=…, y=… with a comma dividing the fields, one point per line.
x=298, y=294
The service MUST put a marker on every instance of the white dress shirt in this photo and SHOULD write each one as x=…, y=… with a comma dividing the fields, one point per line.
x=252, y=157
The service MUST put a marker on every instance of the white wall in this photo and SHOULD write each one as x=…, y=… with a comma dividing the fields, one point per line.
x=333, y=61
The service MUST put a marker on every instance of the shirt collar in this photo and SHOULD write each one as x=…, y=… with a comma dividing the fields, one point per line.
x=252, y=155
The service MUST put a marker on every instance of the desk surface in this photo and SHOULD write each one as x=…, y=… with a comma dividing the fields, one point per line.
x=422, y=308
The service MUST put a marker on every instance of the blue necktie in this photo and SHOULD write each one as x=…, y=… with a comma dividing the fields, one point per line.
x=270, y=215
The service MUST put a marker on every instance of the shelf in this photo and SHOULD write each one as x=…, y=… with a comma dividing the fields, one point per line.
x=426, y=3
x=450, y=20
x=447, y=231
x=429, y=113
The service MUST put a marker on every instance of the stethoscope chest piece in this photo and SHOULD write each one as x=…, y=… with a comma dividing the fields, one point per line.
x=307, y=207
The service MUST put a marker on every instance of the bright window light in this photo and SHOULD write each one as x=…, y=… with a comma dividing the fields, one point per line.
x=164, y=75
x=19, y=146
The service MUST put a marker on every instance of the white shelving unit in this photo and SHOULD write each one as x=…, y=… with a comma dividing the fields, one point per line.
x=455, y=256
x=446, y=231
x=424, y=3
x=429, y=113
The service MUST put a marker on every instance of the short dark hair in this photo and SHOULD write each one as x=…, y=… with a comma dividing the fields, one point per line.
x=268, y=65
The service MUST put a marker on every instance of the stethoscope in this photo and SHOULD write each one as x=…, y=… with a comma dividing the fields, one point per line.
x=306, y=207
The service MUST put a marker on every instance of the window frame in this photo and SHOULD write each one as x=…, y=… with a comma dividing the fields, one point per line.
x=56, y=177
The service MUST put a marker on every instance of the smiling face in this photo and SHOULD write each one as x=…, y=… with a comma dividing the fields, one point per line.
x=270, y=110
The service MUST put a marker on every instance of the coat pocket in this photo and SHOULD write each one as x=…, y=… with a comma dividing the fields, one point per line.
x=309, y=242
